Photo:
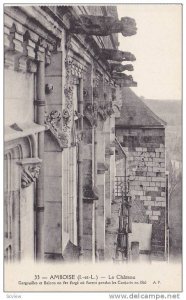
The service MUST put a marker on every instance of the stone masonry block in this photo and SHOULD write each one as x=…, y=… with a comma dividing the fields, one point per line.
x=139, y=149
x=152, y=188
x=143, y=198
x=145, y=183
x=156, y=169
x=159, y=150
x=149, y=212
x=142, y=178
x=138, y=193
x=156, y=213
x=153, y=218
x=162, y=199
x=160, y=160
x=158, y=179
x=152, y=174
x=149, y=203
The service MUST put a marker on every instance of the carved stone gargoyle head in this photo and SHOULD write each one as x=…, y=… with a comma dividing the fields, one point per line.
x=117, y=55
x=129, y=26
x=120, y=68
x=128, y=56
x=117, y=75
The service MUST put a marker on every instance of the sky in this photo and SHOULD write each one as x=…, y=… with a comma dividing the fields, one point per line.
x=157, y=47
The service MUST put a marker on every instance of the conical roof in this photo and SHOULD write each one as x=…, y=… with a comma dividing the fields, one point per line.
x=135, y=113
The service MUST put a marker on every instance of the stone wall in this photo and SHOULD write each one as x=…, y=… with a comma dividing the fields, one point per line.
x=145, y=148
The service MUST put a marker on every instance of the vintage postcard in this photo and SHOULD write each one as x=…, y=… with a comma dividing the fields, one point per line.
x=92, y=148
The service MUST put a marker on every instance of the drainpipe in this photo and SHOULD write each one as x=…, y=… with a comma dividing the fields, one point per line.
x=80, y=174
x=95, y=185
x=126, y=202
x=40, y=109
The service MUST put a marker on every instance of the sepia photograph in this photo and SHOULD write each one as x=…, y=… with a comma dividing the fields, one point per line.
x=92, y=147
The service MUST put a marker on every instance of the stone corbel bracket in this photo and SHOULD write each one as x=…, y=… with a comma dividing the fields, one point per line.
x=90, y=193
x=109, y=108
x=102, y=168
x=109, y=152
x=30, y=170
x=13, y=44
x=52, y=121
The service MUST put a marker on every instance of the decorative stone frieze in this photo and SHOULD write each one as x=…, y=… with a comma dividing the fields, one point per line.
x=30, y=171
x=120, y=68
x=117, y=55
x=52, y=121
x=74, y=71
x=102, y=25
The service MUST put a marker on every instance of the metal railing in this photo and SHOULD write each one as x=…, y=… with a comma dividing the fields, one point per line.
x=121, y=186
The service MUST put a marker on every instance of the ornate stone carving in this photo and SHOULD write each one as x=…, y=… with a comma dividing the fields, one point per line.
x=90, y=113
x=13, y=47
x=74, y=71
x=102, y=25
x=117, y=55
x=74, y=68
x=102, y=111
x=95, y=93
x=120, y=67
x=28, y=46
x=109, y=108
x=52, y=121
x=98, y=78
x=29, y=175
x=49, y=88
x=30, y=171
